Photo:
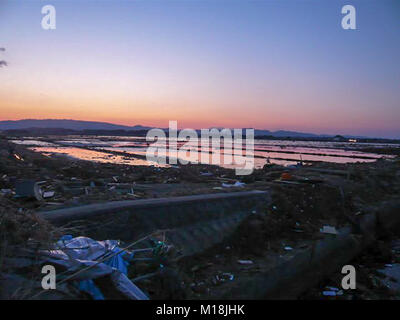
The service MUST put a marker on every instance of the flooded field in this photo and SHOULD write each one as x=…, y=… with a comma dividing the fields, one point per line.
x=86, y=154
x=132, y=150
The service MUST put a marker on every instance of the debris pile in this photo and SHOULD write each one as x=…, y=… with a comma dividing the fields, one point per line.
x=308, y=203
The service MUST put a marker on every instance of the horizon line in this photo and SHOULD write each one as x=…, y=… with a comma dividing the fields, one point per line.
x=217, y=127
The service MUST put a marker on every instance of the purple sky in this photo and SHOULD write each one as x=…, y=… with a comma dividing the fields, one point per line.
x=264, y=64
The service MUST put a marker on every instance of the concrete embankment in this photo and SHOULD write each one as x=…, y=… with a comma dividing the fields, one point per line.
x=194, y=223
x=306, y=268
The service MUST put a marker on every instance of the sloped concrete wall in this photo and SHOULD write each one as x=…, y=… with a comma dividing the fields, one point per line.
x=289, y=278
x=194, y=223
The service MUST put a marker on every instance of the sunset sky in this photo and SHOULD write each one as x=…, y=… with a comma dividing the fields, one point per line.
x=263, y=64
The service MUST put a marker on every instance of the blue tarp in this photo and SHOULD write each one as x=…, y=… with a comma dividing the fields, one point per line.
x=80, y=252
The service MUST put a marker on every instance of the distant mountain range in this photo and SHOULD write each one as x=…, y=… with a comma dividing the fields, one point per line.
x=65, y=124
x=284, y=133
x=78, y=125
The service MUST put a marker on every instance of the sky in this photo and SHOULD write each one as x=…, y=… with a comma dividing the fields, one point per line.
x=274, y=64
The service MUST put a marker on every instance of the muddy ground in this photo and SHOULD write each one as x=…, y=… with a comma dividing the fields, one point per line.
x=304, y=199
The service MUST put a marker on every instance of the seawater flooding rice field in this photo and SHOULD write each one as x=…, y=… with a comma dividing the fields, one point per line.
x=132, y=150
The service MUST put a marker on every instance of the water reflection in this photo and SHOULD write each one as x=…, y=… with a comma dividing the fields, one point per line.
x=85, y=154
x=282, y=152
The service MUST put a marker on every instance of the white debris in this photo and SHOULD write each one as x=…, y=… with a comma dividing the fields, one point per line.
x=287, y=248
x=236, y=184
x=328, y=230
x=5, y=191
x=48, y=194
x=245, y=262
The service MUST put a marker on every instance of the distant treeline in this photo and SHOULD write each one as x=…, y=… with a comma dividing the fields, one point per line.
x=330, y=139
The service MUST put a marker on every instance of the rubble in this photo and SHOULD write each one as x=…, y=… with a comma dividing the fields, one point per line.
x=28, y=189
x=308, y=201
